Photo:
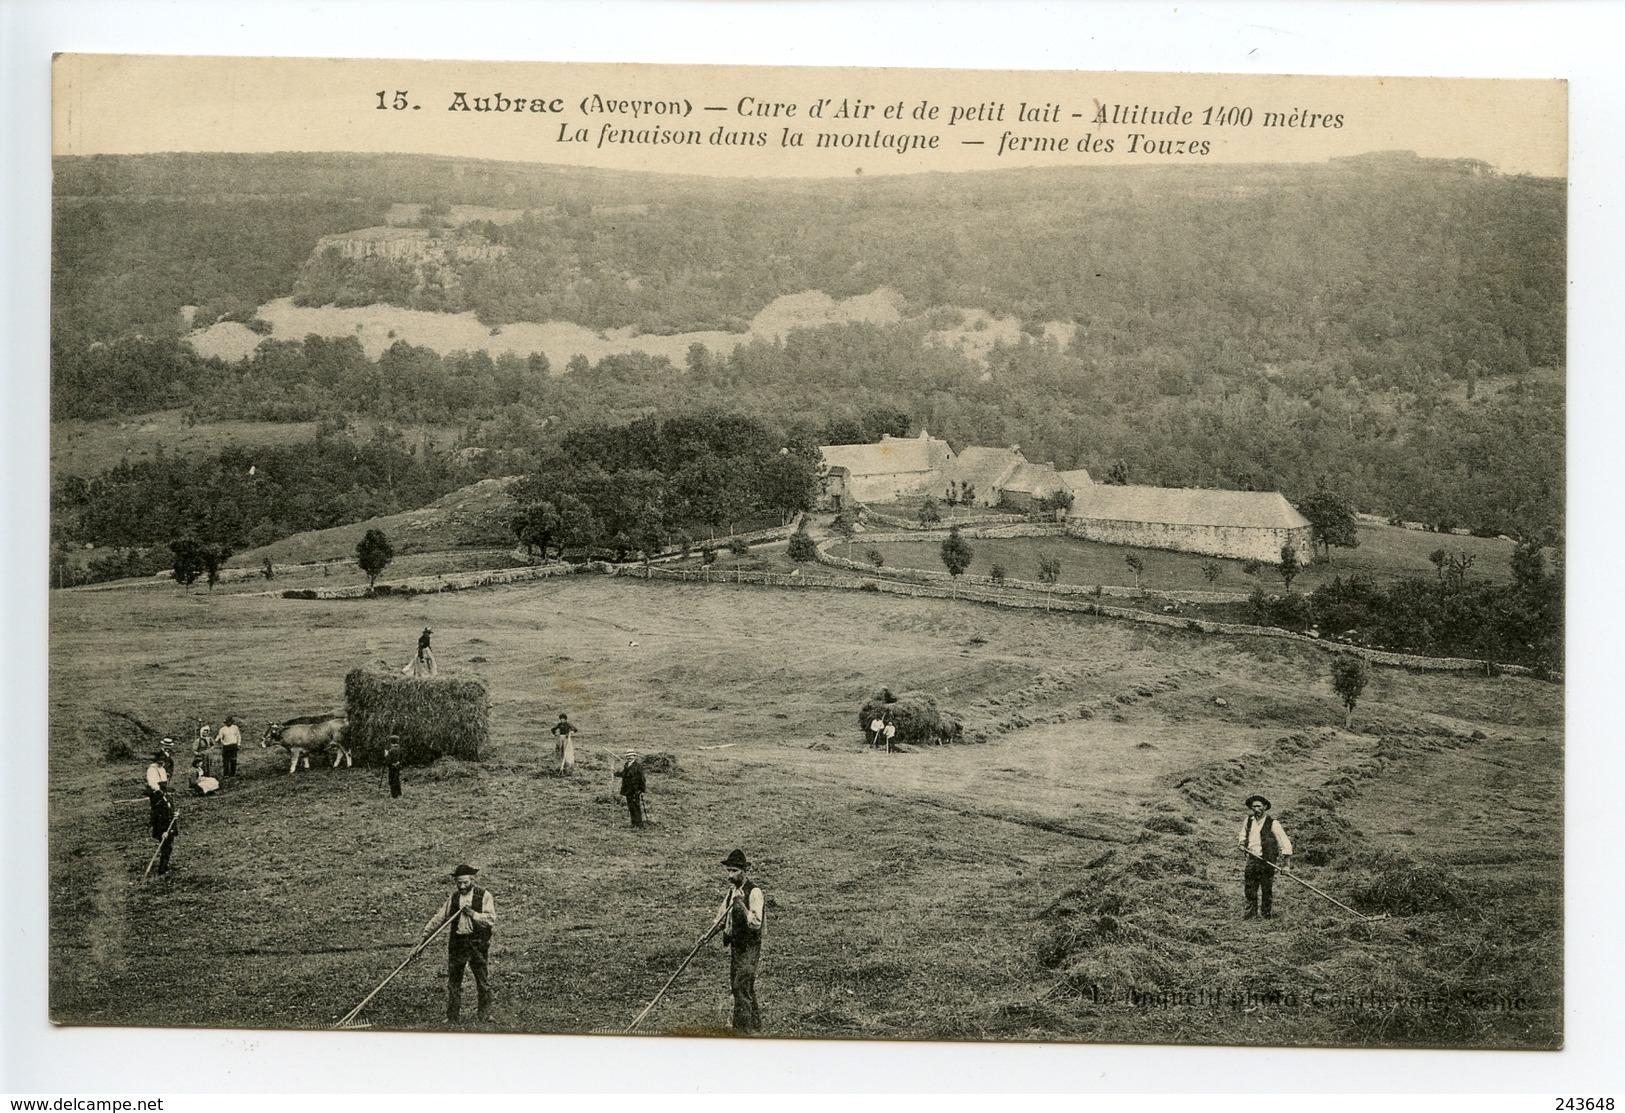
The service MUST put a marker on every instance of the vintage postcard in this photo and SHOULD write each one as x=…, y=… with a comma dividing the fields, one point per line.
x=807, y=553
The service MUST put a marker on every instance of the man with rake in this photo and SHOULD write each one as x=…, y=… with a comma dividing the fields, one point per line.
x=469, y=942
x=1268, y=849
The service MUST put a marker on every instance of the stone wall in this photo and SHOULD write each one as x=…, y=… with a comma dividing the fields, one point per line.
x=1236, y=542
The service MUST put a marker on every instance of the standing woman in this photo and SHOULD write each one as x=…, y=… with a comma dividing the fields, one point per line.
x=564, y=744
x=201, y=748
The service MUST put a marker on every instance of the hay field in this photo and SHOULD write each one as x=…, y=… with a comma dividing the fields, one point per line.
x=1071, y=877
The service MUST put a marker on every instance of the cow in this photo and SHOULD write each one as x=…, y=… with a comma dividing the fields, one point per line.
x=309, y=734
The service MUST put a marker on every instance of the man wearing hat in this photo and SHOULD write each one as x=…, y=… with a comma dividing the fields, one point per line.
x=392, y=764
x=1267, y=847
x=632, y=786
x=158, y=770
x=741, y=919
x=165, y=824
x=230, y=737
x=469, y=943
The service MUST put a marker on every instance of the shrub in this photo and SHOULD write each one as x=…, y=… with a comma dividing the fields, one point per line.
x=433, y=715
x=299, y=593
x=738, y=546
x=997, y=574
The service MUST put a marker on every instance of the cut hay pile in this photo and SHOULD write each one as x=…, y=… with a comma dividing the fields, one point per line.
x=917, y=716
x=433, y=715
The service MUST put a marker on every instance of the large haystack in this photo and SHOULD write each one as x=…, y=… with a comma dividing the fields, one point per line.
x=433, y=715
x=919, y=720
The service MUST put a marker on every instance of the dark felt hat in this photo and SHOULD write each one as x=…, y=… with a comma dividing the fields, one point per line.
x=1261, y=799
x=464, y=870
x=737, y=861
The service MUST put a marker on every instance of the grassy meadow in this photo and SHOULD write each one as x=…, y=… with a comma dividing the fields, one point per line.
x=1071, y=876
x=1385, y=553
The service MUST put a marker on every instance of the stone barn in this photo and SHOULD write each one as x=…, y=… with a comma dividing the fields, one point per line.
x=1243, y=525
x=890, y=469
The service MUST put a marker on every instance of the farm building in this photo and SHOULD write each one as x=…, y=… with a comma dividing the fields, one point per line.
x=893, y=468
x=1246, y=525
x=1022, y=488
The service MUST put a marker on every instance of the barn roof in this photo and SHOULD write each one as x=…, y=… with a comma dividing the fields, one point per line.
x=1187, y=507
x=1077, y=481
x=890, y=454
x=1031, y=479
x=985, y=468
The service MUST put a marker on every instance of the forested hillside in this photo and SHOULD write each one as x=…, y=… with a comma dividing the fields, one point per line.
x=1392, y=323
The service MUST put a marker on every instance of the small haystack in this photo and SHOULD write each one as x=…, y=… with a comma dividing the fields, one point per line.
x=433, y=715
x=917, y=716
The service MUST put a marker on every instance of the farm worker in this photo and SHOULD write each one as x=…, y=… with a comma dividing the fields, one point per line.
x=564, y=745
x=392, y=762
x=231, y=737
x=166, y=752
x=165, y=825
x=741, y=915
x=469, y=941
x=632, y=786
x=1267, y=847
x=891, y=732
x=157, y=774
x=201, y=783
x=201, y=747
x=423, y=663
x=876, y=725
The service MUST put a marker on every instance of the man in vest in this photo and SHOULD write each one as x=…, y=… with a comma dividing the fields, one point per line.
x=469, y=944
x=741, y=919
x=231, y=738
x=633, y=786
x=1264, y=841
x=165, y=824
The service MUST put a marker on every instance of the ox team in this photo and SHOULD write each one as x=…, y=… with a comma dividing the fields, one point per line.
x=470, y=910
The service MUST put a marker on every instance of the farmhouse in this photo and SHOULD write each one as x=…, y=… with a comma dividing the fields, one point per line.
x=1246, y=525
x=893, y=468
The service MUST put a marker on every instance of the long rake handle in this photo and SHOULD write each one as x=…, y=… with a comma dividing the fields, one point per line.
x=355, y=1012
x=153, y=861
x=1306, y=885
x=703, y=940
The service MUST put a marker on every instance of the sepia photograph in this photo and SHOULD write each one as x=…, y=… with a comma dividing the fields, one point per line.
x=817, y=554
x=845, y=552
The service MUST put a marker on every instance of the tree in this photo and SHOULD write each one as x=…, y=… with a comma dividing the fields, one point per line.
x=1438, y=558
x=802, y=549
x=1055, y=504
x=844, y=528
x=929, y=514
x=967, y=493
x=189, y=560
x=214, y=558
x=1137, y=566
x=956, y=554
x=877, y=558
x=373, y=553
x=1049, y=571
x=1331, y=520
x=1117, y=474
x=1290, y=565
x=1211, y=570
x=997, y=574
x=1349, y=677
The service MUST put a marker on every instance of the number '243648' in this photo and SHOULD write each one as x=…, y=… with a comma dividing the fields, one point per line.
x=1567, y=1104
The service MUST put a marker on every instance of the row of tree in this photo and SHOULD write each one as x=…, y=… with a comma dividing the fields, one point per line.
x=641, y=486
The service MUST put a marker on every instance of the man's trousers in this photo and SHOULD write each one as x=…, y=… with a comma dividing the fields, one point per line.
x=467, y=951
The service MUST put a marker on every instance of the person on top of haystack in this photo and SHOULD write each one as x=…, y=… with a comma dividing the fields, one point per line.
x=743, y=907
x=230, y=737
x=423, y=663
x=564, y=745
x=1268, y=849
x=469, y=942
x=633, y=785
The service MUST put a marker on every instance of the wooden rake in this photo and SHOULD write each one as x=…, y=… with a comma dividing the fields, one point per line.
x=1318, y=892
